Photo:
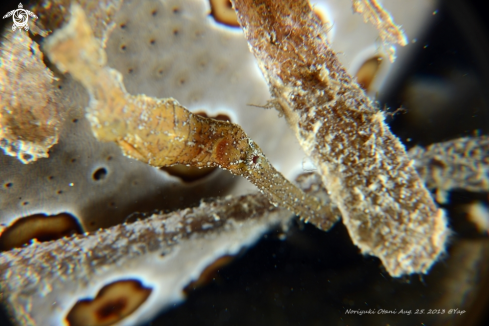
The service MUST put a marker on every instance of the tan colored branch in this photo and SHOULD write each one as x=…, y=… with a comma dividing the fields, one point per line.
x=389, y=32
x=461, y=163
x=165, y=252
x=384, y=204
x=161, y=132
x=374, y=13
x=30, y=116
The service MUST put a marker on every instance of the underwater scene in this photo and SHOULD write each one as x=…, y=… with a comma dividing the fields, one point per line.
x=244, y=162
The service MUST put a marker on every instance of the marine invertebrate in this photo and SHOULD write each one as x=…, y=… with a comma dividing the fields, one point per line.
x=389, y=32
x=29, y=124
x=166, y=252
x=38, y=227
x=223, y=12
x=457, y=164
x=162, y=132
x=192, y=265
x=384, y=204
x=113, y=302
x=367, y=72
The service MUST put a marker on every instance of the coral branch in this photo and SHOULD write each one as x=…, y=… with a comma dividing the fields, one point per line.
x=384, y=204
x=457, y=164
x=373, y=12
x=461, y=163
x=30, y=117
x=389, y=32
x=162, y=132
x=166, y=251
